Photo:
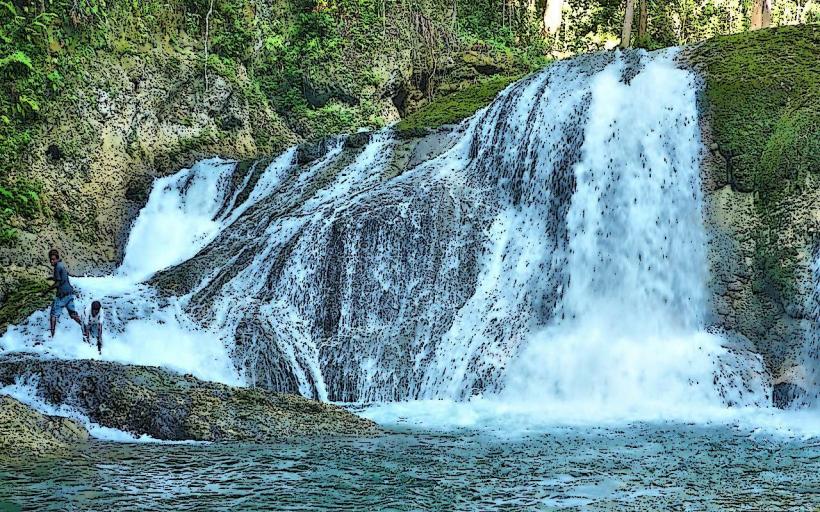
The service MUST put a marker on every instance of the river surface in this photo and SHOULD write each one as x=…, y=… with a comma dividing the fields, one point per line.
x=661, y=466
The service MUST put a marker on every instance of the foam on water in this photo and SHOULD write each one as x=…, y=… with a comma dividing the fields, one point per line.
x=548, y=266
x=511, y=419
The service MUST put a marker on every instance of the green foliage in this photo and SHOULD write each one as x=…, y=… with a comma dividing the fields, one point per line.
x=19, y=199
x=17, y=57
x=590, y=25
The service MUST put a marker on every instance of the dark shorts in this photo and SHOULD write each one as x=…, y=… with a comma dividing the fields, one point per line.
x=62, y=302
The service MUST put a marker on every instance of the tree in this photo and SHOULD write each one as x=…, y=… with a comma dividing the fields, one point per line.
x=767, y=13
x=552, y=16
x=626, y=34
x=761, y=14
x=643, y=18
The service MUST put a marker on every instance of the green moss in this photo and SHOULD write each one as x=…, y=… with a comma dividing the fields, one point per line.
x=28, y=296
x=454, y=107
x=763, y=101
x=762, y=92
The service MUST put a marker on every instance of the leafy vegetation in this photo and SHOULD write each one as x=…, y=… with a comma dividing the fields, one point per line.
x=321, y=65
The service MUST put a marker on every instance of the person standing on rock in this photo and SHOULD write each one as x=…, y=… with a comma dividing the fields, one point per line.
x=65, y=292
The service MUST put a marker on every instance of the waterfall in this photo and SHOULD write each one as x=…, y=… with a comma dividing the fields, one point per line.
x=549, y=250
x=811, y=350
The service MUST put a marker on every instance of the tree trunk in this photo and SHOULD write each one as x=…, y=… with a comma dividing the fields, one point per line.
x=626, y=34
x=766, y=16
x=643, y=18
x=757, y=15
x=552, y=16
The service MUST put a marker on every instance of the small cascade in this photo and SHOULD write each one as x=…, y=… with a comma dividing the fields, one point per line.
x=550, y=251
x=811, y=350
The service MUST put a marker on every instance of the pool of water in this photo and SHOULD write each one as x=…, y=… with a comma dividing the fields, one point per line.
x=646, y=466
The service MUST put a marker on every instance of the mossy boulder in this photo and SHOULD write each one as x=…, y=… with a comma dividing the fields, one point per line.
x=452, y=108
x=761, y=125
x=25, y=432
x=762, y=91
x=20, y=296
x=165, y=405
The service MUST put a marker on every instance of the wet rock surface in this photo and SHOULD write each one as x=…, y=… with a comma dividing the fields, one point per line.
x=785, y=393
x=25, y=432
x=168, y=406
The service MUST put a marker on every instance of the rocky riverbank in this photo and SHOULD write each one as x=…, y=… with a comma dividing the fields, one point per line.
x=164, y=405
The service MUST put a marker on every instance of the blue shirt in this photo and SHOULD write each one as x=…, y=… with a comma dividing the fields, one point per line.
x=64, y=288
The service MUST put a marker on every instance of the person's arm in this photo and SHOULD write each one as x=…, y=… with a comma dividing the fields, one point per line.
x=53, y=279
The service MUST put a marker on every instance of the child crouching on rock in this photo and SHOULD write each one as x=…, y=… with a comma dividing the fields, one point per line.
x=93, y=327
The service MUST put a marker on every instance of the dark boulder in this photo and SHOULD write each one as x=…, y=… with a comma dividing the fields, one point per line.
x=786, y=393
x=358, y=140
x=311, y=151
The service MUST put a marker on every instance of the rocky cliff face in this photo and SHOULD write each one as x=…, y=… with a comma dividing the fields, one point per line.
x=147, y=115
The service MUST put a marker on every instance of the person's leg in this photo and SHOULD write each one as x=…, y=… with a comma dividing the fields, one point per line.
x=72, y=312
x=56, y=306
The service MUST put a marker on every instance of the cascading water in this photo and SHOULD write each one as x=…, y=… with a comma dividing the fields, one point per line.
x=552, y=254
x=810, y=397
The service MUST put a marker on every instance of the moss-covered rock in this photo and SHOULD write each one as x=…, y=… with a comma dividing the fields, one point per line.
x=454, y=107
x=762, y=91
x=165, y=405
x=26, y=433
x=761, y=112
x=24, y=295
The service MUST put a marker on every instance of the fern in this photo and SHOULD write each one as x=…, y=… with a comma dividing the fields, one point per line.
x=17, y=57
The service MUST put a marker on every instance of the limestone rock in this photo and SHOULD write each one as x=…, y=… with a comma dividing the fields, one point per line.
x=785, y=393
x=165, y=405
x=25, y=432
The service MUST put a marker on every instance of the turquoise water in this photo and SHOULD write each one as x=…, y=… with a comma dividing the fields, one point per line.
x=640, y=467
